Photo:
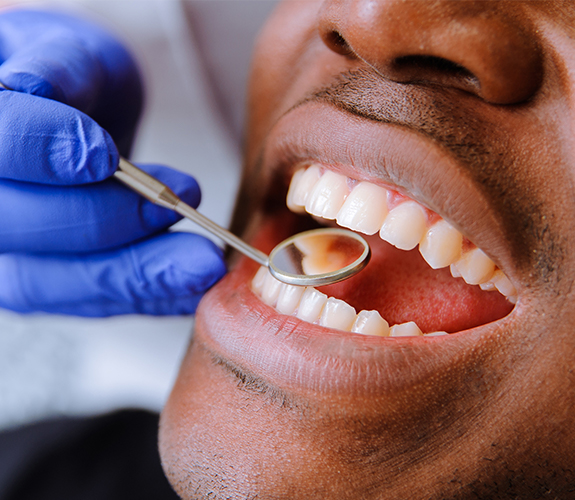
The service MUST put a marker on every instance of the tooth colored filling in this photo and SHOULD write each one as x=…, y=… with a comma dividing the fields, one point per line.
x=405, y=224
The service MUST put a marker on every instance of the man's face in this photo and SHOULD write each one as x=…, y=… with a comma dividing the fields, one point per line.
x=449, y=123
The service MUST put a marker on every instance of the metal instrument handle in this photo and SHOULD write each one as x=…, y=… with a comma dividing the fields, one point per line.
x=160, y=194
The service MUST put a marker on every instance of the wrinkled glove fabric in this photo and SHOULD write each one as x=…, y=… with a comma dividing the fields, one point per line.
x=72, y=240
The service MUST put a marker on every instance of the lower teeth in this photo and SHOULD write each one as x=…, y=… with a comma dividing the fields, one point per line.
x=309, y=304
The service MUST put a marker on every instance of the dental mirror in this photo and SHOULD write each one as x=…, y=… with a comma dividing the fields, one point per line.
x=319, y=257
x=312, y=258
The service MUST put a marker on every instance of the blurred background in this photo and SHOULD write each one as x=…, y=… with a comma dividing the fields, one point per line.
x=194, y=56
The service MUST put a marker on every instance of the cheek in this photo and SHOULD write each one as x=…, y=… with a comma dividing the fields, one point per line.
x=192, y=428
x=278, y=53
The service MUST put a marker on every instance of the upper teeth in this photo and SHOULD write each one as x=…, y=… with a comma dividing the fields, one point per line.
x=366, y=208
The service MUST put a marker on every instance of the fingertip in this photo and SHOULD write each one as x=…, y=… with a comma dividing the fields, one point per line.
x=93, y=155
x=189, y=191
x=57, y=67
x=29, y=83
x=110, y=160
x=180, y=264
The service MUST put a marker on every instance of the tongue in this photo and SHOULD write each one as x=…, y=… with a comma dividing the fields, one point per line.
x=402, y=287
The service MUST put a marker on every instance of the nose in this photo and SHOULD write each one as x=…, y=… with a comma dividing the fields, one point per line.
x=483, y=47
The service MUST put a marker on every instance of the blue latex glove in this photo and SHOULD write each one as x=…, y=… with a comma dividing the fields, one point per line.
x=71, y=240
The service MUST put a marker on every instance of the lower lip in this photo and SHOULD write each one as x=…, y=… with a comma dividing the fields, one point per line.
x=291, y=354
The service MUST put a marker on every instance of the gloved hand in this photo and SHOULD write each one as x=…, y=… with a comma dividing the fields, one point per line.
x=71, y=240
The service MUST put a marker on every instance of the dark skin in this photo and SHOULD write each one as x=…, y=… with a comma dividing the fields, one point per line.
x=467, y=108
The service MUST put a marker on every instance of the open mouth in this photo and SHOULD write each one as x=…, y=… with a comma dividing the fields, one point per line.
x=405, y=309
x=424, y=278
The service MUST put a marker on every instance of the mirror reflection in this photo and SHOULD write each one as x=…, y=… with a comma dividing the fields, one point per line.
x=320, y=252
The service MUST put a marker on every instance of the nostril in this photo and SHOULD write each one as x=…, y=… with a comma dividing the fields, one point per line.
x=336, y=42
x=431, y=64
x=433, y=69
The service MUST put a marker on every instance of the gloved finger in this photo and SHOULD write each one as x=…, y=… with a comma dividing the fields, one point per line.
x=73, y=61
x=161, y=276
x=61, y=69
x=52, y=219
x=44, y=141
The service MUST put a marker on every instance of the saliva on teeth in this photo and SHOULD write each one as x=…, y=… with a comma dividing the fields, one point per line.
x=364, y=207
x=309, y=304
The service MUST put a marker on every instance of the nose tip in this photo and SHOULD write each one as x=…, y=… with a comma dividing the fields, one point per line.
x=478, y=46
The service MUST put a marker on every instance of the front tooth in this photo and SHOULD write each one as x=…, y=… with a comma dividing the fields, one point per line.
x=288, y=298
x=337, y=314
x=435, y=334
x=441, y=245
x=270, y=290
x=404, y=225
x=370, y=323
x=364, y=209
x=405, y=330
x=302, y=183
x=475, y=267
x=311, y=305
x=328, y=195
